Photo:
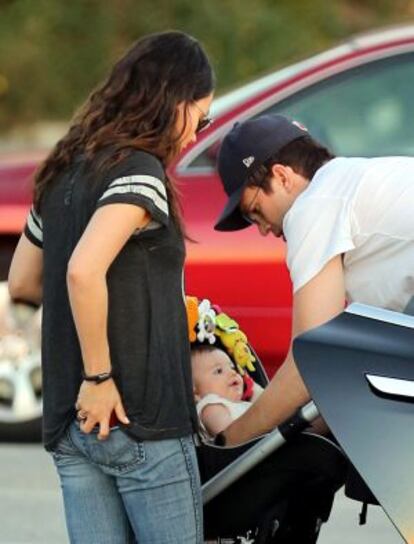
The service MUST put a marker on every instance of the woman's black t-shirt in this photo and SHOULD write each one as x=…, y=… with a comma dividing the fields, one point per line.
x=147, y=323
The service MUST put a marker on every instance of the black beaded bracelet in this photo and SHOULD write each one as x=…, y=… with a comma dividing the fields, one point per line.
x=97, y=378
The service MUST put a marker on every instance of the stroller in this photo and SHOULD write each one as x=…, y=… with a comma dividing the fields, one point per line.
x=284, y=498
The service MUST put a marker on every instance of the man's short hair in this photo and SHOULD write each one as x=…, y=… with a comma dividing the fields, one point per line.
x=304, y=155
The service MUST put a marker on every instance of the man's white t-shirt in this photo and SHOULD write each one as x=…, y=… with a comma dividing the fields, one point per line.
x=364, y=209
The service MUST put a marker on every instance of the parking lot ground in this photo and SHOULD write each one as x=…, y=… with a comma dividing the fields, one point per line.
x=31, y=509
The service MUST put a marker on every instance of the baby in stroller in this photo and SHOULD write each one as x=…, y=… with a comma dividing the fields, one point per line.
x=222, y=394
x=286, y=497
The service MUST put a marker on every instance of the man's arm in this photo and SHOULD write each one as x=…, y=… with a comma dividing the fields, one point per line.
x=26, y=273
x=320, y=300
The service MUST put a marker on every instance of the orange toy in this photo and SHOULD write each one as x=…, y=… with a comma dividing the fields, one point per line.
x=192, y=316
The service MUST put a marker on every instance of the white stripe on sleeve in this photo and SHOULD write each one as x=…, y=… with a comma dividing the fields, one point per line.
x=34, y=223
x=148, y=186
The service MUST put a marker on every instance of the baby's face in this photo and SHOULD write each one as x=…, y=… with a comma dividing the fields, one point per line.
x=213, y=372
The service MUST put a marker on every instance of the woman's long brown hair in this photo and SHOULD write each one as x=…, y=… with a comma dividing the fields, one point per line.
x=136, y=108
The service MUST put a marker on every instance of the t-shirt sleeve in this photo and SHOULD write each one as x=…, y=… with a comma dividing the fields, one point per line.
x=140, y=181
x=33, y=229
x=316, y=230
x=209, y=399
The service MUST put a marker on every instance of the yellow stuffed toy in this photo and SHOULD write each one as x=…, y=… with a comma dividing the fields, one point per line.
x=235, y=341
x=225, y=323
x=243, y=356
x=205, y=323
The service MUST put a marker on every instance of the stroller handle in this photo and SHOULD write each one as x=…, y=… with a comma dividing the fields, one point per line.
x=267, y=445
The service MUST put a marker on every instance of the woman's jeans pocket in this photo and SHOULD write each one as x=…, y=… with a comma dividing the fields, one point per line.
x=118, y=453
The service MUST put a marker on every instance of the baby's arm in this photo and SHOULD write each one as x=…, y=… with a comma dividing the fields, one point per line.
x=215, y=418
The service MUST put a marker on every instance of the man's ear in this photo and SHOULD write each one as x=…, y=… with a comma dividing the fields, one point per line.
x=282, y=175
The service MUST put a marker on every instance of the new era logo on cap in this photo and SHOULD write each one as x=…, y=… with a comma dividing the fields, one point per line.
x=299, y=125
x=248, y=161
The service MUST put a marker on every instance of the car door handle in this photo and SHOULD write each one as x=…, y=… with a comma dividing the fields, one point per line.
x=399, y=388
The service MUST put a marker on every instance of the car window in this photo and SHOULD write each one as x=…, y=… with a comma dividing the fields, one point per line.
x=366, y=111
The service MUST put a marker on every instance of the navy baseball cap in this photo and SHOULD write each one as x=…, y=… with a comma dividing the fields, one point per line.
x=245, y=147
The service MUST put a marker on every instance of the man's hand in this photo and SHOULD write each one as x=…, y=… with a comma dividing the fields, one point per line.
x=95, y=404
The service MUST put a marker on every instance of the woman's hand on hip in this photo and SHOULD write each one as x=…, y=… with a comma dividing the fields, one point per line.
x=96, y=403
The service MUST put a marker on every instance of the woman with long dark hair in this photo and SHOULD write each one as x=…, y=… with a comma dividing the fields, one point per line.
x=103, y=251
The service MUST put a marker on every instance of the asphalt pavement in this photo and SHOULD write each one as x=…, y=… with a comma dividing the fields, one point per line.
x=31, y=508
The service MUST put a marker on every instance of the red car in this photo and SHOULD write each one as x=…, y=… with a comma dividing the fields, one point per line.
x=355, y=98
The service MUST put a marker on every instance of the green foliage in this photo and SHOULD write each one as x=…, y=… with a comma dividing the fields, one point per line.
x=53, y=52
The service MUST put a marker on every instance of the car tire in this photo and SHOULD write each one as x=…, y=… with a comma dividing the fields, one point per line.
x=26, y=431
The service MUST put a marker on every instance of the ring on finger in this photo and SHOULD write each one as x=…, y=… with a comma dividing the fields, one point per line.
x=81, y=416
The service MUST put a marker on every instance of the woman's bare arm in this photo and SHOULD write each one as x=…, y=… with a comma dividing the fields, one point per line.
x=107, y=232
x=25, y=279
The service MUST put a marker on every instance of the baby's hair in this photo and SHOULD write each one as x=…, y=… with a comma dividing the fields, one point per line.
x=200, y=349
x=204, y=348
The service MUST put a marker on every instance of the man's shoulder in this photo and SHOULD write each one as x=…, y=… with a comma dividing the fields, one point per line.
x=338, y=178
x=340, y=166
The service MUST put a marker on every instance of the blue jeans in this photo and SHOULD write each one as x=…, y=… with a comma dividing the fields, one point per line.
x=122, y=491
